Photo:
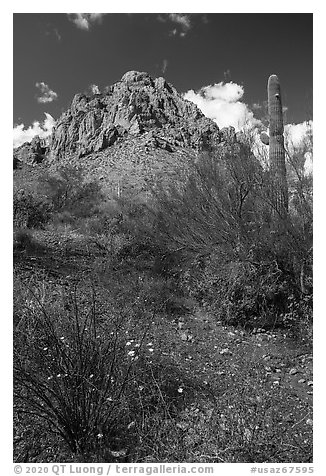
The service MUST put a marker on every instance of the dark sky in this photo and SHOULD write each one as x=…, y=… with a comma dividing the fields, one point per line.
x=190, y=51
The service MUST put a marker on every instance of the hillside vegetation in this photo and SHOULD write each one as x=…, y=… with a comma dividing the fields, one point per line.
x=176, y=328
x=164, y=315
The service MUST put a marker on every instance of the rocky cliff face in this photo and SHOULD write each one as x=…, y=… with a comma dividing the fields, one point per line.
x=137, y=132
x=31, y=153
x=136, y=105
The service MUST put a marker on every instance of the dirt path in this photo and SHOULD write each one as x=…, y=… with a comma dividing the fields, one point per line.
x=212, y=350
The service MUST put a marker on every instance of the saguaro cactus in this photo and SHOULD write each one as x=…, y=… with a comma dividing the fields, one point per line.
x=276, y=146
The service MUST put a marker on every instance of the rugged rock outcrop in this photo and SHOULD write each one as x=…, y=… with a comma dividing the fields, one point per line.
x=30, y=153
x=135, y=105
x=137, y=134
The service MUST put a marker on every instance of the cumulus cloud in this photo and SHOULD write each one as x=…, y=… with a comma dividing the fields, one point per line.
x=299, y=137
x=222, y=103
x=181, y=21
x=85, y=20
x=47, y=95
x=22, y=134
x=298, y=134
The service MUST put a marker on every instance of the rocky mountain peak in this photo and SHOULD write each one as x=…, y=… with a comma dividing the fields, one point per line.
x=137, y=77
x=137, y=133
x=135, y=105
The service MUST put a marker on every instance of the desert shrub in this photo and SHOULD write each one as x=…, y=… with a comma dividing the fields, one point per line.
x=63, y=218
x=23, y=239
x=84, y=366
x=213, y=207
x=298, y=317
x=94, y=225
x=238, y=292
x=30, y=210
x=133, y=217
x=235, y=254
x=72, y=368
x=69, y=190
x=131, y=223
